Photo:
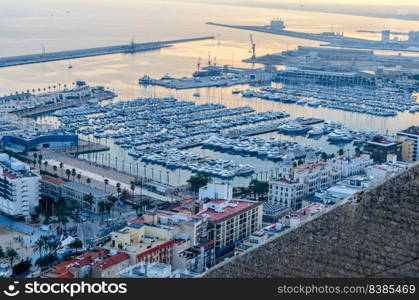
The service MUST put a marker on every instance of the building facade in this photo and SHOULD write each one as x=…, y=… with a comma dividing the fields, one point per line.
x=295, y=182
x=19, y=188
x=77, y=192
x=379, y=148
x=411, y=136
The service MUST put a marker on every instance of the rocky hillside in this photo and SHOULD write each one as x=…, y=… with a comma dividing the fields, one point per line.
x=376, y=234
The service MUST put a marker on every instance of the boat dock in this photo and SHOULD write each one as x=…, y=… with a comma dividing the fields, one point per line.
x=98, y=51
x=235, y=133
x=309, y=121
x=36, y=111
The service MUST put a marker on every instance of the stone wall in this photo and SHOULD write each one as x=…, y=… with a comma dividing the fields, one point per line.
x=375, y=234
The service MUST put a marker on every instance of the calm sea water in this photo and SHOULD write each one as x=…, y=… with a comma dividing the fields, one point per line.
x=28, y=26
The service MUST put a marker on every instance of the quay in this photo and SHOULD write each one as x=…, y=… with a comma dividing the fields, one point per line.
x=85, y=147
x=36, y=111
x=331, y=39
x=98, y=51
x=235, y=133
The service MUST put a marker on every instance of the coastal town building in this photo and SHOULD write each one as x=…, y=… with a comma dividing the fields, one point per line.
x=379, y=148
x=77, y=191
x=411, y=135
x=295, y=182
x=19, y=188
x=229, y=220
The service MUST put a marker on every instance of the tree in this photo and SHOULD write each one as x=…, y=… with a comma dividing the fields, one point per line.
x=78, y=177
x=102, y=208
x=73, y=173
x=118, y=190
x=76, y=244
x=63, y=220
x=46, y=165
x=125, y=195
x=88, y=181
x=357, y=151
x=46, y=261
x=11, y=255
x=199, y=180
x=89, y=199
x=259, y=188
x=341, y=152
x=1, y=253
x=136, y=207
x=38, y=246
x=132, y=187
x=62, y=169
x=323, y=156
x=68, y=173
x=106, y=181
x=55, y=169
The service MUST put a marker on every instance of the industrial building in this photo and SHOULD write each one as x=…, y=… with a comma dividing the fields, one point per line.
x=21, y=143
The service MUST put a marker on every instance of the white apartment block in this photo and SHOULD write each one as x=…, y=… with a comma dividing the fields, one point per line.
x=19, y=188
x=295, y=182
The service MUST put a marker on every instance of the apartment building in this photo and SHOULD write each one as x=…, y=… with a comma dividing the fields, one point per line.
x=19, y=188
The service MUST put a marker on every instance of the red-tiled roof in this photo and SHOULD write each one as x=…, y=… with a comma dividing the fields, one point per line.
x=9, y=175
x=155, y=249
x=112, y=260
x=137, y=221
x=61, y=270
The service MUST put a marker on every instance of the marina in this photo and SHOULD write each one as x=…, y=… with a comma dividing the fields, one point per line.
x=379, y=102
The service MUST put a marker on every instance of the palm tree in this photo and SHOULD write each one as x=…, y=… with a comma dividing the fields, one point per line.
x=35, y=155
x=45, y=240
x=88, y=181
x=89, y=199
x=62, y=169
x=73, y=173
x=45, y=165
x=38, y=246
x=68, y=173
x=106, y=181
x=55, y=168
x=40, y=161
x=79, y=176
x=63, y=220
x=11, y=254
x=118, y=189
x=132, y=187
x=102, y=208
x=341, y=152
x=136, y=207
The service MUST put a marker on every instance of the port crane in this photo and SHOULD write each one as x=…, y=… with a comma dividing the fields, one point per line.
x=253, y=47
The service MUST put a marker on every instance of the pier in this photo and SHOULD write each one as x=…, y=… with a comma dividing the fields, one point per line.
x=80, y=53
x=36, y=111
x=332, y=39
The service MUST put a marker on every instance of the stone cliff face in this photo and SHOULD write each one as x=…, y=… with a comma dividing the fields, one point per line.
x=374, y=235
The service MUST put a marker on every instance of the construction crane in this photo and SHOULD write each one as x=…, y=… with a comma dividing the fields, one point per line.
x=253, y=47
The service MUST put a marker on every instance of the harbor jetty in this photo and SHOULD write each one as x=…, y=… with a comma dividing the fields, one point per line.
x=98, y=51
